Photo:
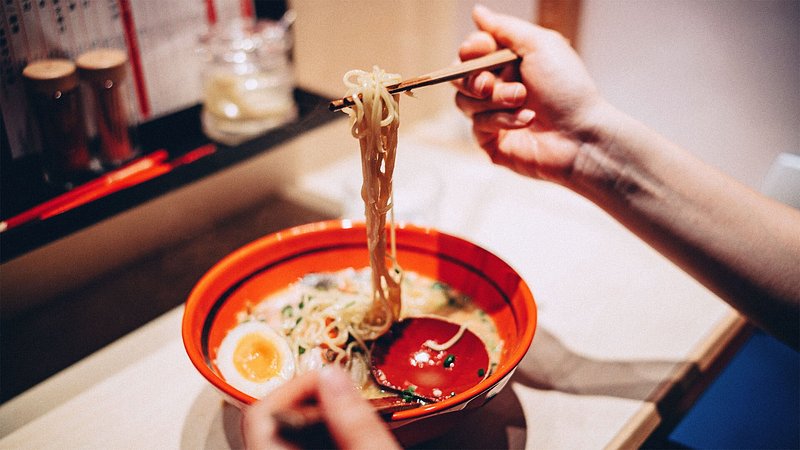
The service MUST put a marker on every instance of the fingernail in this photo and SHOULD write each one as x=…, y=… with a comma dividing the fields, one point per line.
x=525, y=116
x=480, y=85
x=510, y=94
x=480, y=9
x=482, y=16
x=335, y=378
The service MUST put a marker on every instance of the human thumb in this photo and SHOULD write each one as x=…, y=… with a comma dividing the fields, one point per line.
x=510, y=32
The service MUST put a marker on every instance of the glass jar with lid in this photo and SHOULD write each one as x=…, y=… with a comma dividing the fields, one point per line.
x=248, y=85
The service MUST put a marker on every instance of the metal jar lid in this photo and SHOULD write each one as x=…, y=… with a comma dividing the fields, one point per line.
x=49, y=76
x=103, y=64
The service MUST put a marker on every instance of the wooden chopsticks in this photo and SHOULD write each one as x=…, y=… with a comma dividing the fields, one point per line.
x=489, y=62
x=305, y=425
x=303, y=417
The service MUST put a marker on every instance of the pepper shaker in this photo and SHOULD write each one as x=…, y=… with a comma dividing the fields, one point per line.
x=104, y=71
x=54, y=95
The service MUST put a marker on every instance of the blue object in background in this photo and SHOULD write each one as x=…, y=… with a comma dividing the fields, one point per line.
x=754, y=404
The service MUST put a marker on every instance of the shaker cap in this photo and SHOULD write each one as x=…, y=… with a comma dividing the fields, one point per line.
x=48, y=76
x=102, y=64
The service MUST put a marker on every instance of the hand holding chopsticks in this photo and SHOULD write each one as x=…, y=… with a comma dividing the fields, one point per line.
x=319, y=409
x=488, y=62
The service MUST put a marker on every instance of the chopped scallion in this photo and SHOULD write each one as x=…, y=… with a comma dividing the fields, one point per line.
x=408, y=393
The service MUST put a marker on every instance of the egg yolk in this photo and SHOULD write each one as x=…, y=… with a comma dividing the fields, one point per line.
x=256, y=358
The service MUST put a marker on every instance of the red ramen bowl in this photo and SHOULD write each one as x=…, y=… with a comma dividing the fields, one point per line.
x=270, y=264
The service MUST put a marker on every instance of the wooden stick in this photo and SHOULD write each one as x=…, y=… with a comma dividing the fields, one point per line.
x=488, y=62
x=303, y=419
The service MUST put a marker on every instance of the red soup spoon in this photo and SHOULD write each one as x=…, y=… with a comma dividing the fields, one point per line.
x=429, y=358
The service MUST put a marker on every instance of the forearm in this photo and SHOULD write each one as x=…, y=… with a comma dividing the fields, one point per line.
x=739, y=244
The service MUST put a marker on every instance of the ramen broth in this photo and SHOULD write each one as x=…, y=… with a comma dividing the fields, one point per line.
x=320, y=314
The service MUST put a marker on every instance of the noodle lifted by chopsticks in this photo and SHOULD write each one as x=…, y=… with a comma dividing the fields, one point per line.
x=374, y=121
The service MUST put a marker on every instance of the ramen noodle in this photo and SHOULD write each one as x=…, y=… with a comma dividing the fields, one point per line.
x=374, y=119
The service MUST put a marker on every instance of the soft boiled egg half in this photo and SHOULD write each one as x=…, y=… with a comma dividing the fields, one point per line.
x=255, y=359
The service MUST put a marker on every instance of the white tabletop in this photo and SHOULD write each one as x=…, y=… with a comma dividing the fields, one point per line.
x=620, y=327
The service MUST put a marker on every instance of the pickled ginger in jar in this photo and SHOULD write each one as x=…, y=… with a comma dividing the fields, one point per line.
x=247, y=82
